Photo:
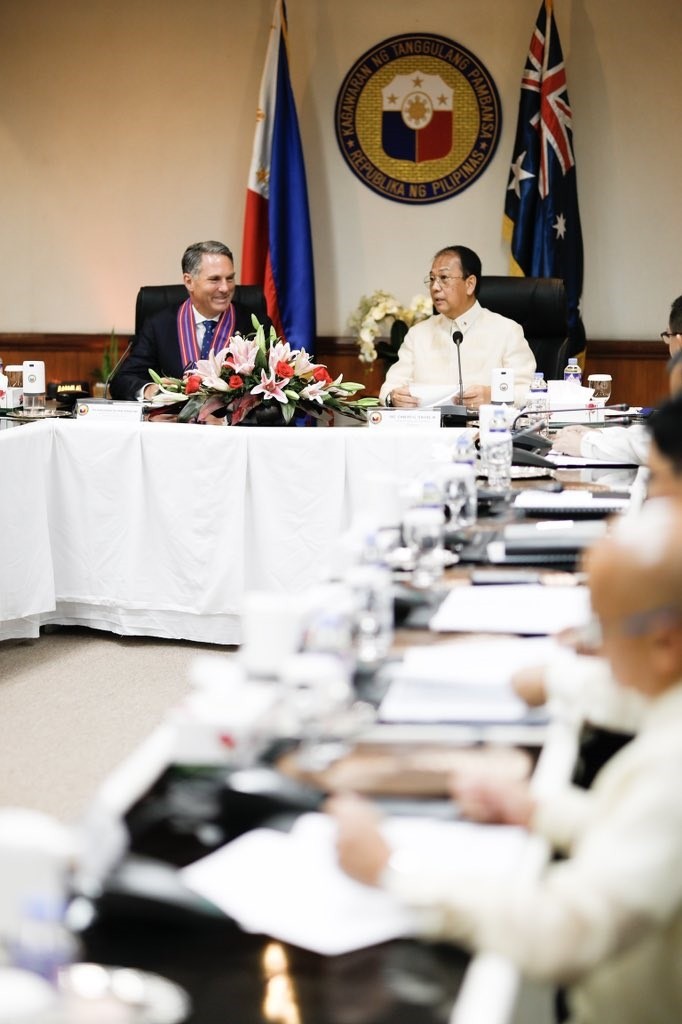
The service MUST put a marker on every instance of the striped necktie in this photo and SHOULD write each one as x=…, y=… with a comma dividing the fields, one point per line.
x=209, y=328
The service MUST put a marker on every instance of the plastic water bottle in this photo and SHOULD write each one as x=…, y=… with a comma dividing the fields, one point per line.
x=464, y=451
x=573, y=372
x=538, y=405
x=498, y=452
x=460, y=497
x=371, y=585
x=43, y=944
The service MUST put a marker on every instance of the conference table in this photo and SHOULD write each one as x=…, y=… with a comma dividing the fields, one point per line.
x=160, y=529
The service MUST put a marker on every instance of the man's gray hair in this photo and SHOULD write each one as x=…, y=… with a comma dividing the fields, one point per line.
x=192, y=256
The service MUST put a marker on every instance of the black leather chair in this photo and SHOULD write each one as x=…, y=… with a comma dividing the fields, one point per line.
x=537, y=303
x=152, y=298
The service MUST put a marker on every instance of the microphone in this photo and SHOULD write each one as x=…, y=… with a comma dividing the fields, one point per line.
x=458, y=338
x=117, y=367
x=587, y=407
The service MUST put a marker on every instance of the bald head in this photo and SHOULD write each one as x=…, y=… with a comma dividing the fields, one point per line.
x=635, y=579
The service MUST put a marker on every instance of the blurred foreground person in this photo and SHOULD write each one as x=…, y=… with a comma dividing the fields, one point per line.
x=625, y=444
x=607, y=921
x=580, y=685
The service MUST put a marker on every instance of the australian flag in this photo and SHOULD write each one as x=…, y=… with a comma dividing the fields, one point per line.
x=541, y=207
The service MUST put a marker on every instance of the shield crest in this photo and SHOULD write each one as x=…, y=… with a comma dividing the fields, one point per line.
x=417, y=118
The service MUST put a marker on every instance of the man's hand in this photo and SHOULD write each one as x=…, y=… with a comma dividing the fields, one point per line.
x=402, y=399
x=569, y=440
x=529, y=685
x=492, y=801
x=476, y=396
x=362, y=850
x=149, y=391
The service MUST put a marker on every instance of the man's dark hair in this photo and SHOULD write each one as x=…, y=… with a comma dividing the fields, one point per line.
x=665, y=427
x=675, y=318
x=191, y=257
x=471, y=263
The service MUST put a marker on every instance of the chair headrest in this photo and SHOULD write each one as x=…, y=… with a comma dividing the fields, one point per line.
x=152, y=298
x=537, y=303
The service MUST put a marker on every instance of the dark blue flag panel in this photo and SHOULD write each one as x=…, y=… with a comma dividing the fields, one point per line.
x=542, y=196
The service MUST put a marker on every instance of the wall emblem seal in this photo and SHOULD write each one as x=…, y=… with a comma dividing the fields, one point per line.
x=418, y=118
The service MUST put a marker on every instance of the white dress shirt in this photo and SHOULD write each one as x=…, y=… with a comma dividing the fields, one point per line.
x=428, y=354
x=608, y=920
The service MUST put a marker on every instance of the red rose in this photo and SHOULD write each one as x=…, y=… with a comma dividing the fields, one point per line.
x=192, y=384
x=321, y=373
x=283, y=369
x=235, y=381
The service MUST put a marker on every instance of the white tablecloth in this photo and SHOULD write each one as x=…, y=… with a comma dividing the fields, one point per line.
x=160, y=528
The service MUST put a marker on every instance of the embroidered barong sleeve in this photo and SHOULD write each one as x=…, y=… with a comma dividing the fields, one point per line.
x=622, y=881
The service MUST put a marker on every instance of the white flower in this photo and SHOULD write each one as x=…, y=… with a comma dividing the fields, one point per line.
x=378, y=308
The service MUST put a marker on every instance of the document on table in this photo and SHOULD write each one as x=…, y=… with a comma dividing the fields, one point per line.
x=525, y=609
x=562, y=461
x=290, y=886
x=570, y=500
x=468, y=681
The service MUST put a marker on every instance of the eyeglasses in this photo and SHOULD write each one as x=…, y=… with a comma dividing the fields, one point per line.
x=636, y=624
x=442, y=279
x=667, y=335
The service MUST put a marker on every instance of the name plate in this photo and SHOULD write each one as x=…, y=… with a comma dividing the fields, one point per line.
x=100, y=410
x=415, y=419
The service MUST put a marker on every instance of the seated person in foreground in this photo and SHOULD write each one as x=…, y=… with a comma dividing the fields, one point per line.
x=625, y=444
x=428, y=354
x=607, y=920
x=583, y=686
x=173, y=340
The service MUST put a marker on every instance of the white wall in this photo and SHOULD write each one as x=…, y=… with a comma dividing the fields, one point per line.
x=126, y=130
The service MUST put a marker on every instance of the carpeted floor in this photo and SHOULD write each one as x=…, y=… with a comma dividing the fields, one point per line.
x=74, y=703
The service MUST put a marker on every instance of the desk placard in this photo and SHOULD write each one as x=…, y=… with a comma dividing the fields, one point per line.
x=107, y=410
x=415, y=419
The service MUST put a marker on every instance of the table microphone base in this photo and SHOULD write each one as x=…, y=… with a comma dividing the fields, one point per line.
x=456, y=415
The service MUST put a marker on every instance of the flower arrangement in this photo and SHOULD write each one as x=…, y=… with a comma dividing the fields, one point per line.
x=381, y=306
x=259, y=378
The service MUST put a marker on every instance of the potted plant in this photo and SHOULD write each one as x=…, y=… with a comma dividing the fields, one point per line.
x=109, y=360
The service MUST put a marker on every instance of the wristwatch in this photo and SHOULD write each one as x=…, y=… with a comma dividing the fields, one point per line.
x=388, y=401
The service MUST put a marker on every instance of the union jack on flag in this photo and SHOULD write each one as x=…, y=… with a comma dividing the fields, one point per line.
x=542, y=219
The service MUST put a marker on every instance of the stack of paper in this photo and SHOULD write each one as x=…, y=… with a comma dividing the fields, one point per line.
x=524, y=609
x=290, y=886
x=468, y=681
x=570, y=501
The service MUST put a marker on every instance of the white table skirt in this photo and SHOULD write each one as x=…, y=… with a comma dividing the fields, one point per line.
x=160, y=528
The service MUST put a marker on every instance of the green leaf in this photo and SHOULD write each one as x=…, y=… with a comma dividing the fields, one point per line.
x=291, y=394
x=190, y=409
x=288, y=411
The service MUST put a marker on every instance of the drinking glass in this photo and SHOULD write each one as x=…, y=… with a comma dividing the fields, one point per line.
x=423, y=535
x=317, y=694
x=601, y=387
x=601, y=392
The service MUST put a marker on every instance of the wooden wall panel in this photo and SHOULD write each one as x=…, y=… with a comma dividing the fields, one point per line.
x=637, y=367
x=66, y=356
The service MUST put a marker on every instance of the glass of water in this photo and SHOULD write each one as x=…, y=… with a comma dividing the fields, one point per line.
x=423, y=528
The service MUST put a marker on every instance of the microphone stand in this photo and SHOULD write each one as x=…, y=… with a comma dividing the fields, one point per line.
x=620, y=407
x=117, y=368
x=458, y=338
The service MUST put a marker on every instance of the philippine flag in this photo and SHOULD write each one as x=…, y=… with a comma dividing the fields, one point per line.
x=277, y=247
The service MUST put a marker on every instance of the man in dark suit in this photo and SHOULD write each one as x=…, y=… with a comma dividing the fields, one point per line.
x=171, y=341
